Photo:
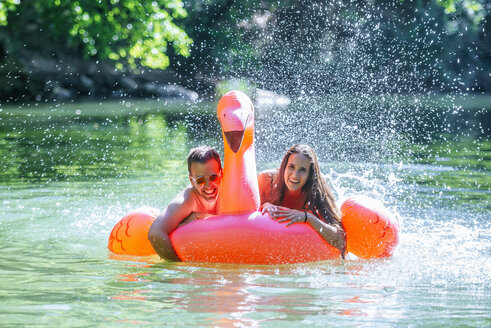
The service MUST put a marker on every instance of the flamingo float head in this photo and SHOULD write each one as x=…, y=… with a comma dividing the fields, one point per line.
x=236, y=115
x=239, y=191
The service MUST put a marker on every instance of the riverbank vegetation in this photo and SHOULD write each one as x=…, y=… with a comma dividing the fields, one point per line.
x=55, y=50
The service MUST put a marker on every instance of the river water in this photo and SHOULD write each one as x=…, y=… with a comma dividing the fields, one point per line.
x=69, y=172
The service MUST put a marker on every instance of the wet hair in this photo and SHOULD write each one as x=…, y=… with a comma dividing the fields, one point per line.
x=319, y=196
x=203, y=154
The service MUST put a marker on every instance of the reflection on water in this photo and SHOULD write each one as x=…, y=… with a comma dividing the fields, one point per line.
x=64, y=186
x=92, y=152
x=35, y=147
x=355, y=293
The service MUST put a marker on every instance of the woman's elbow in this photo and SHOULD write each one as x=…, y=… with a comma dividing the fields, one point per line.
x=341, y=241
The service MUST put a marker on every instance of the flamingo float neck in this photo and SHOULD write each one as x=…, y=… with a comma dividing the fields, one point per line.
x=239, y=190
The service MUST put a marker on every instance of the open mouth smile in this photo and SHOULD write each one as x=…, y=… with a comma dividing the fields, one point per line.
x=211, y=192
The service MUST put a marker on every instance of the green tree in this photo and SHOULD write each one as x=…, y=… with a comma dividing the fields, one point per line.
x=224, y=41
x=342, y=46
x=5, y=7
x=129, y=32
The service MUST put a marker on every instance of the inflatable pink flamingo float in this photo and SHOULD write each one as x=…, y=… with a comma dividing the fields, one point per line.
x=241, y=234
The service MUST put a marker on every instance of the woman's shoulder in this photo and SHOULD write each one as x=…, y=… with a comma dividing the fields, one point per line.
x=267, y=176
x=268, y=173
x=265, y=181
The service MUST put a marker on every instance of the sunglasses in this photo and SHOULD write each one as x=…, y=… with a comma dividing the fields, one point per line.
x=202, y=180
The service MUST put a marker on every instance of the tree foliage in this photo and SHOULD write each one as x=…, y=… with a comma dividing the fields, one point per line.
x=5, y=7
x=343, y=46
x=288, y=46
x=130, y=32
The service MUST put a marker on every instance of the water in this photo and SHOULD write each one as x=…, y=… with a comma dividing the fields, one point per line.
x=67, y=179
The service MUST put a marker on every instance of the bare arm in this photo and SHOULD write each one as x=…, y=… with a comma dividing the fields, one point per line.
x=264, y=182
x=177, y=211
x=333, y=234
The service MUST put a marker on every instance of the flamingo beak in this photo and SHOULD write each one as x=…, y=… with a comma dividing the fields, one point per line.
x=234, y=139
x=234, y=123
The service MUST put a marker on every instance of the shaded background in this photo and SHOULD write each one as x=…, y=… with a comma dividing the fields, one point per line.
x=59, y=50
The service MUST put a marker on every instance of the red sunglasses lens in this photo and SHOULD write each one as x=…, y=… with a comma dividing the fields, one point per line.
x=200, y=180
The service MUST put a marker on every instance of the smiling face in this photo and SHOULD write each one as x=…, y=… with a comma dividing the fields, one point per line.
x=297, y=172
x=209, y=189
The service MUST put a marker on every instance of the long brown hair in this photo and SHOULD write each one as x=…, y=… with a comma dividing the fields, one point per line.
x=319, y=197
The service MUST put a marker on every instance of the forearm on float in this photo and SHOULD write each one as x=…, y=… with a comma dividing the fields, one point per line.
x=330, y=233
x=178, y=211
x=160, y=240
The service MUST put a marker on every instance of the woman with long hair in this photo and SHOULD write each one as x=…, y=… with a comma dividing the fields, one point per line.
x=297, y=193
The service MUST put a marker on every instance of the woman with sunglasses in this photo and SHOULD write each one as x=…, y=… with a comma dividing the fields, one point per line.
x=297, y=193
x=196, y=201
